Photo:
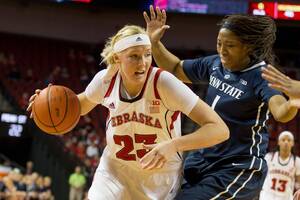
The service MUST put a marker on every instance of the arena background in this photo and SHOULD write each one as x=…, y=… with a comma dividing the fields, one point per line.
x=43, y=41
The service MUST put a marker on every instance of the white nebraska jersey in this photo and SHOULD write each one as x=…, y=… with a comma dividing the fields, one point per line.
x=280, y=180
x=145, y=119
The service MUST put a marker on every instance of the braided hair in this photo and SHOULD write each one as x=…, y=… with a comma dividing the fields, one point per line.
x=259, y=32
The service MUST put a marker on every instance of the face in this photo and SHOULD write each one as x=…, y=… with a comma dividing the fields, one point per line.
x=47, y=181
x=77, y=170
x=233, y=53
x=134, y=64
x=286, y=143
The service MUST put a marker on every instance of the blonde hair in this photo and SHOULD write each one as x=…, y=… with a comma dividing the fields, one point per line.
x=127, y=30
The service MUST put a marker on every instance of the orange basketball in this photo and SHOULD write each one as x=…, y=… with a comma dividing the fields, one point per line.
x=56, y=110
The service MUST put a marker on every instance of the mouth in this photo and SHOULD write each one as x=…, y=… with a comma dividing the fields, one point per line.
x=139, y=74
x=224, y=59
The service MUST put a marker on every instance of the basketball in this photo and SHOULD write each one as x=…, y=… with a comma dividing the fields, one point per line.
x=56, y=110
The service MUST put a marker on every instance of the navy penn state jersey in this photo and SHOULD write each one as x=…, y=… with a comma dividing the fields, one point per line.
x=241, y=99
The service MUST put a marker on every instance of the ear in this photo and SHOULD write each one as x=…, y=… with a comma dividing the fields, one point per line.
x=116, y=58
x=248, y=48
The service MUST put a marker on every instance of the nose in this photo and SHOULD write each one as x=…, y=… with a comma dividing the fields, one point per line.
x=222, y=50
x=142, y=61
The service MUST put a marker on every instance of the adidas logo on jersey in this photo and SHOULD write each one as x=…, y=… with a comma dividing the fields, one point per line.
x=112, y=105
x=138, y=39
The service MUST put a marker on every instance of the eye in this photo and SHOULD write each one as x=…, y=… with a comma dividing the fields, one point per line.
x=134, y=56
x=148, y=54
x=230, y=45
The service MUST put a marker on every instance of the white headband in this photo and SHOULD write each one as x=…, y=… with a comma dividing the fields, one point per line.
x=131, y=41
x=286, y=133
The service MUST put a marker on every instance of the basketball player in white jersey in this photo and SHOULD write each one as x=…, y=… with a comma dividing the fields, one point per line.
x=283, y=171
x=144, y=118
x=144, y=109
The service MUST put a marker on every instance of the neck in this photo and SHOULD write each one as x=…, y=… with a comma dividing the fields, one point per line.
x=284, y=154
x=132, y=89
x=240, y=66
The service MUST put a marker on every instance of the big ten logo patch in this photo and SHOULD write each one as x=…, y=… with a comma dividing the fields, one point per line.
x=154, y=106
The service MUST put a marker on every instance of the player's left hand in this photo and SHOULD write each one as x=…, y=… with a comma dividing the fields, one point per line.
x=156, y=24
x=158, y=155
x=283, y=83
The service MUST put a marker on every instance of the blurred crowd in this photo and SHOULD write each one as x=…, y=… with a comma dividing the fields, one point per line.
x=27, y=185
x=66, y=64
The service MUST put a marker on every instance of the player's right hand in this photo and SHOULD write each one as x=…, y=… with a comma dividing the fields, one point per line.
x=31, y=101
x=156, y=24
x=297, y=195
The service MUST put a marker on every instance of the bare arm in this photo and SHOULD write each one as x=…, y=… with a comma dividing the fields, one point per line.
x=168, y=61
x=85, y=104
x=297, y=182
x=156, y=26
x=213, y=131
x=281, y=109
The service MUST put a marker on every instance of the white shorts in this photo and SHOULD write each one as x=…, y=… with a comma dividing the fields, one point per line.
x=119, y=182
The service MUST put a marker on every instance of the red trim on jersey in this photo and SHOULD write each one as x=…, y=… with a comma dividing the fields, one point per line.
x=272, y=156
x=174, y=118
x=107, y=120
x=111, y=85
x=156, y=76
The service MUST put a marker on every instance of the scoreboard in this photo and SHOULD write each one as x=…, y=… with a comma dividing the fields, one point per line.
x=214, y=7
x=276, y=10
x=13, y=125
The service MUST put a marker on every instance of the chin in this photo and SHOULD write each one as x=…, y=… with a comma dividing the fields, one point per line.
x=139, y=80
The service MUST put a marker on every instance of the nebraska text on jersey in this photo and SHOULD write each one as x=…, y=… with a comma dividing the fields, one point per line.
x=135, y=117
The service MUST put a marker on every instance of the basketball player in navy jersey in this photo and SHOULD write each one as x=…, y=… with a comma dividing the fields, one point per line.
x=234, y=169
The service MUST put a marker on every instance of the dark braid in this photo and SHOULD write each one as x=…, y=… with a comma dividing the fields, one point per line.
x=257, y=31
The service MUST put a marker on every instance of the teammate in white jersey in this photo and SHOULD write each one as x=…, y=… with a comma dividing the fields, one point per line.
x=144, y=119
x=283, y=171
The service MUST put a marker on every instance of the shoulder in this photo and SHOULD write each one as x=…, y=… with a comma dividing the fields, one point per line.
x=101, y=75
x=165, y=78
x=206, y=60
x=269, y=156
x=213, y=58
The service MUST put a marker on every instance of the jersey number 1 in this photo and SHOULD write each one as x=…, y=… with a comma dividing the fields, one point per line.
x=213, y=105
x=127, y=142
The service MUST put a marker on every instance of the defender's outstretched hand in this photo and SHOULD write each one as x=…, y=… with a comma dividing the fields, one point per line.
x=283, y=83
x=156, y=23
